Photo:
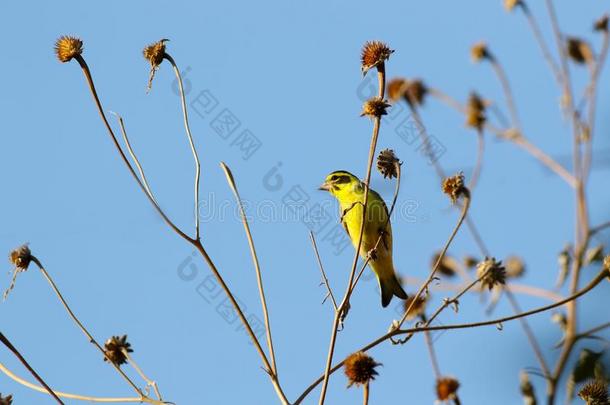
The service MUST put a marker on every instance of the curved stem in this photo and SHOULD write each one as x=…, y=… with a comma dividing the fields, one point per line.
x=98, y=104
x=190, y=138
x=80, y=325
x=324, y=278
x=474, y=179
x=365, y=393
x=508, y=93
x=543, y=47
x=257, y=267
x=77, y=397
x=148, y=381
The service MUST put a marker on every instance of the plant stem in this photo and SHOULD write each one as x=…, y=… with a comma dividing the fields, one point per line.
x=23, y=361
x=365, y=393
x=324, y=278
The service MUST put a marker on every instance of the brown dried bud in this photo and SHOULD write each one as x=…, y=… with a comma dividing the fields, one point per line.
x=359, y=368
x=527, y=389
x=601, y=25
x=509, y=5
x=375, y=107
x=475, y=112
x=470, y=261
x=594, y=255
x=479, y=52
x=491, y=273
x=419, y=307
x=67, y=47
x=7, y=400
x=374, y=54
x=21, y=257
x=607, y=262
x=454, y=187
x=154, y=54
x=448, y=265
x=446, y=388
x=595, y=393
x=396, y=88
x=514, y=267
x=579, y=50
x=388, y=164
x=116, y=349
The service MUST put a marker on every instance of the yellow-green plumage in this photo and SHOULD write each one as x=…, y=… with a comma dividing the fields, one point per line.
x=350, y=193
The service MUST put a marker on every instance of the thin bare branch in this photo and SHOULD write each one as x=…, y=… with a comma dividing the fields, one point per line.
x=324, y=278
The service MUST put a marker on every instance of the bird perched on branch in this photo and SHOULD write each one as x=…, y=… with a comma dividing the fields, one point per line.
x=350, y=192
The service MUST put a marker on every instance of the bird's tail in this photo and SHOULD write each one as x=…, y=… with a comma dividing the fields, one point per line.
x=390, y=286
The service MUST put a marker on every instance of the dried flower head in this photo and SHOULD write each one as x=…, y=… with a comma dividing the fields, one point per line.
x=21, y=257
x=116, y=348
x=527, y=389
x=480, y=52
x=7, y=400
x=509, y=5
x=375, y=107
x=491, y=272
x=359, y=368
x=514, y=267
x=396, y=88
x=454, y=186
x=388, y=164
x=470, y=261
x=415, y=92
x=419, y=307
x=448, y=265
x=374, y=54
x=595, y=393
x=67, y=47
x=475, y=111
x=446, y=388
x=579, y=50
x=154, y=54
x=601, y=25
x=607, y=262
x=594, y=255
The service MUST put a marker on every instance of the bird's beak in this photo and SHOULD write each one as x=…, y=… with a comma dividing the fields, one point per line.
x=324, y=187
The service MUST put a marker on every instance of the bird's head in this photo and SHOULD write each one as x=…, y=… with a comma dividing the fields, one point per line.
x=341, y=183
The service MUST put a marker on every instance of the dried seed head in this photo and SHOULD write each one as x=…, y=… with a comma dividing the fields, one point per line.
x=509, y=5
x=594, y=255
x=475, y=111
x=21, y=257
x=470, y=261
x=607, y=262
x=67, y=47
x=116, y=348
x=374, y=107
x=560, y=319
x=374, y=54
x=7, y=400
x=527, y=389
x=454, y=187
x=579, y=50
x=514, y=267
x=491, y=272
x=480, y=52
x=446, y=388
x=359, y=368
x=396, y=88
x=601, y=25
x=419, y=307
x=416, y=92
x=388, y=164
x=448, y=265
x=595, y=393
x=154, y=54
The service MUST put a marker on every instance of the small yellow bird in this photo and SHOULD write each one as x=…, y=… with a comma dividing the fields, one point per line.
x=349, y=191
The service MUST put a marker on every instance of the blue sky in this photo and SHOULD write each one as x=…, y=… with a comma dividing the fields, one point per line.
x=289, y=73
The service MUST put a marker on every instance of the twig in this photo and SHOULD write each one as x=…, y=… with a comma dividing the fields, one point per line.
x=508, y=93
x=60, y=394
x=592, y=284
x=82, y=327
x=190, y=138
x=543, y=47
x=365, y=393
x=148, y=381
x=432, y=353
x=23, y=361
x=259, y=278
x=324, y=278
x=479, y=163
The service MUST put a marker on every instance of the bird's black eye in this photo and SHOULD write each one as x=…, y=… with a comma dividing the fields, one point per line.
x=334, y=178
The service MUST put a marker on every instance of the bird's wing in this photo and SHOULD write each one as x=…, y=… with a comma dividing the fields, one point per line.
x=387, y=235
